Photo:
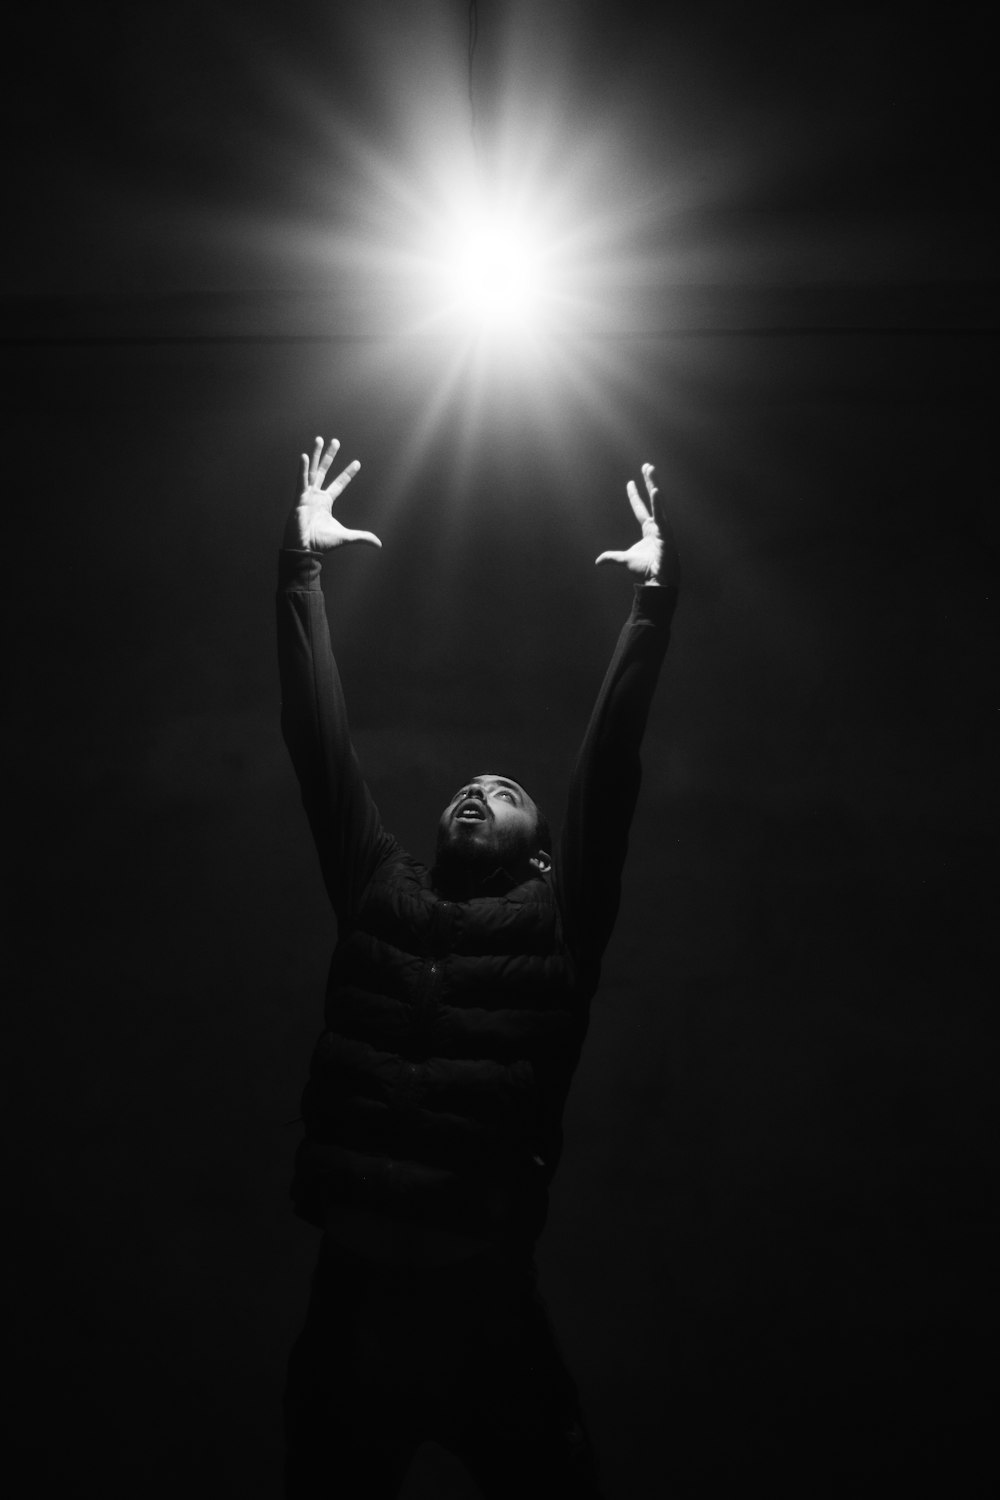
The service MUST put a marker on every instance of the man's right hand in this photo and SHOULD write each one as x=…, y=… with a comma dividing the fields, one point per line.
x=312, y=525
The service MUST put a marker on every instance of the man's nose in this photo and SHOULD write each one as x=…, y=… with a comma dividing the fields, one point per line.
x=473, y=791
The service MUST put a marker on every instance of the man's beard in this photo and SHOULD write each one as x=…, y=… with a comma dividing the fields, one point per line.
x=507, y=850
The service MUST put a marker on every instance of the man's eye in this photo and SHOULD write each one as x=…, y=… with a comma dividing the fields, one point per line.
x=508, y=795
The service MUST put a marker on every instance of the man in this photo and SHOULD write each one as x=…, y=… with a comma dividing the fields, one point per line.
x=456, y=1009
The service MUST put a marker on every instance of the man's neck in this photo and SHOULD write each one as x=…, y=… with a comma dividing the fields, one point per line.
x=460, y=883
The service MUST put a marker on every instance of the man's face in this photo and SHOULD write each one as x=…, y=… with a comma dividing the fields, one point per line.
x=491, y=821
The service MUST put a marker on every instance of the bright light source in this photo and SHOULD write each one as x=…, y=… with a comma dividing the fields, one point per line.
x=492, y=268
x=498, y=270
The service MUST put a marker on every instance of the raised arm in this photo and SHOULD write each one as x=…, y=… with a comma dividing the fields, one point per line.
x=345, y=824
x=605, y=782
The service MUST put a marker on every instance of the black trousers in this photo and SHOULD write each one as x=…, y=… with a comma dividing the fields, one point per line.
x=462, y=1355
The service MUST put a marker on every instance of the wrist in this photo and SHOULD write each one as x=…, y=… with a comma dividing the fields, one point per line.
x=294, y=537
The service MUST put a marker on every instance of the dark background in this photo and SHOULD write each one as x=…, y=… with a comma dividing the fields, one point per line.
x=774, y=1237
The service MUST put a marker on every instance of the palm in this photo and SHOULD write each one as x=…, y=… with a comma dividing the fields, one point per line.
x=643, y=557
x=318, y=528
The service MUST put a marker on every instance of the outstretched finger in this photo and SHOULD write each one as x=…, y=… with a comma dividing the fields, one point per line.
x=316, y=456
x=610, y=557
x=332, y=449
x=305, y=471
x=649, y=475
x=368, y=537
x=337, y=486
x=638, y=505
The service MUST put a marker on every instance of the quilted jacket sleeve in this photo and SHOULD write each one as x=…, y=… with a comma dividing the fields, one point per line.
x=605, y=783
x=345, y=822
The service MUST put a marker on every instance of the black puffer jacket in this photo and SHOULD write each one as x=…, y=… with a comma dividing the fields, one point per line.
x=452, y=1028
x=436, y=1087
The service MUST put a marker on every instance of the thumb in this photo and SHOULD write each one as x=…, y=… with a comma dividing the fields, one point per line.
x=609, y=557
x=367, y=537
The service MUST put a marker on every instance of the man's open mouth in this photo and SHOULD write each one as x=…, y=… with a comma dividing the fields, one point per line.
x=471, y=812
